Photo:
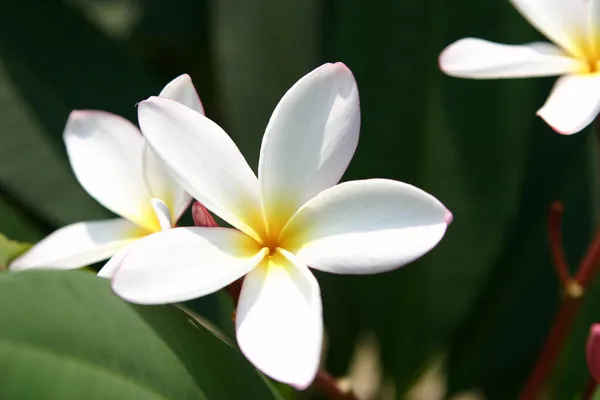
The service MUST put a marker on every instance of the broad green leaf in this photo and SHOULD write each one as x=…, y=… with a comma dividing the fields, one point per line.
x=59, y=63
x=65, y=335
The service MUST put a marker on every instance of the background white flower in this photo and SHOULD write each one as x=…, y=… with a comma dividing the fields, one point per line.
x=574, y=26
x=292, y=217
x=115, y=165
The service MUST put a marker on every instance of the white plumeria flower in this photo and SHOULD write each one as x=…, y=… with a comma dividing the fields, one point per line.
x=574, y=26
x=293, y=216
x=115, y=165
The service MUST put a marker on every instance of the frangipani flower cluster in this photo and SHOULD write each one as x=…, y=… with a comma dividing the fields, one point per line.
x=115, y=165
x=574, y=27
x=292, y=216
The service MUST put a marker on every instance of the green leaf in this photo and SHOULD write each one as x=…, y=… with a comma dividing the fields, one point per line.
x=65, y=335
x=9, y=250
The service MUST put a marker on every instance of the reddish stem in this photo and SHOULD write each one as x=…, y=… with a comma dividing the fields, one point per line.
x=556, y=244
x=589, y=264
x=574, y=289
x=327, y=385
x=558, y=333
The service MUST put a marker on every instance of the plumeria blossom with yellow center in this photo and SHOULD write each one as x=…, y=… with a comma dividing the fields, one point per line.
x=293, y=216
x=114, y=164
x=574, y=27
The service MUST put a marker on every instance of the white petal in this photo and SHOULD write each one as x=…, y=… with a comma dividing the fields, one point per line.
x=573, y=103
x=184, y=263
x=80, y=244
x=309, y=141
x=182, y=90
x=594, y=26
x=480, y=59
x=565, y=22
x=105, y=152
x=204, y=160
x=160, y=182
x=162, y=185
x=365, y=227
x=162, y=213
x=279, y=325
x=109, y=269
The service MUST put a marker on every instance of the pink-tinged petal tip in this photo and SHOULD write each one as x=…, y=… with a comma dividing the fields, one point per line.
x=593, y=351
x=342, y=65
x=448, y=217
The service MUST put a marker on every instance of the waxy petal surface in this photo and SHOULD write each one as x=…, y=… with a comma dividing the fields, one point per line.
x=109, y=269
x=163, y=213
x=480, y=59
x=184, y=263
x=365, y=227
x=204, y=160
x=105, y=152
x=565, y=22
x=160, y=182
x=80, y=244
x=279, y=325
x=309, y=141
x=162, y=185
x=573, y=103
x=182, y=90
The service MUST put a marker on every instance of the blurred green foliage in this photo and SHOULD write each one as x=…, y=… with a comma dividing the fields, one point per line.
x=481, y=301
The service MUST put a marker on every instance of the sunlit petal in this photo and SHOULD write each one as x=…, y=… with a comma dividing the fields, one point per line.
x=109, y=269
x=309, y=141
x=365, y=227
x=163, y=213
x=184, y=263
x=573, y=103
x=105, y=152
x=480, y=59
x=279, y=325
x=182, y=90
x=162, y=185
x=565, y=22
x=80, y=244
x=204, y=160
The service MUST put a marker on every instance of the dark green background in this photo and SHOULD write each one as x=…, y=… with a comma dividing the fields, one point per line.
x=480, y=303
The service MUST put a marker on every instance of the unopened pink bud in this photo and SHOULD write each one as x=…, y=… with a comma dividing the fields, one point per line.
x=593, y=351
x=202, y=217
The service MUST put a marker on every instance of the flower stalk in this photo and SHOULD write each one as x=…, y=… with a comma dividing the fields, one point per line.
x=574, y=288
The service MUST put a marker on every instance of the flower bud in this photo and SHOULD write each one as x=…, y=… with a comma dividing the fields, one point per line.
x=593, y=351
x=202, y=217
